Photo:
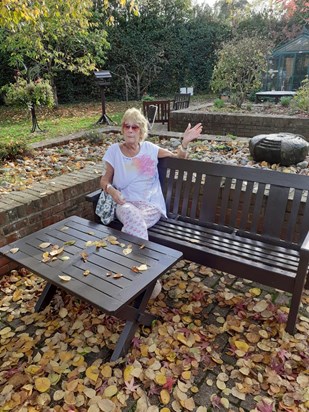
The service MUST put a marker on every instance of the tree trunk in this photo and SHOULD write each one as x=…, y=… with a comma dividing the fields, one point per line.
x=35, y=124
x=54, y=87
x=138, y=86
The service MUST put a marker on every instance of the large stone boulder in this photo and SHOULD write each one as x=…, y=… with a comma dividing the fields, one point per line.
x=284, y=148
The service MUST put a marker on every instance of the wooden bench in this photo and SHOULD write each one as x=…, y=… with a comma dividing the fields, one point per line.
x=181, y=101
x=248, y=222
x=162, y=114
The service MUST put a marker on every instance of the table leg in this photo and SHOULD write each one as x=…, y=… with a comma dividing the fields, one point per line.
x=131, y=326
x=45, y=297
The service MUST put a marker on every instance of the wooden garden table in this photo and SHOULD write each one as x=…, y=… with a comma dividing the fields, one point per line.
x=111, y=284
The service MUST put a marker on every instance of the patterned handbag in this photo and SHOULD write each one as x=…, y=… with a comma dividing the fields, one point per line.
x=106, y=208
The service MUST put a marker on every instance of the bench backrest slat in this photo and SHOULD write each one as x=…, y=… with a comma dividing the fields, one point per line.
x=252, y=200
x=292, y=222
x=274, y=213
x=256, y=218
x=245, y=209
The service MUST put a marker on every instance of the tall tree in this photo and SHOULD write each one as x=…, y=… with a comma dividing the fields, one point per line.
x=54, y=35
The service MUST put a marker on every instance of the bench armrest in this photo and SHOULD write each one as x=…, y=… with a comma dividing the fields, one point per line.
x=94, y=196
x=304, y=248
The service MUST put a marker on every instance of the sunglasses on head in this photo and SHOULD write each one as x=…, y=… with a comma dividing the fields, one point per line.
x=129, y=126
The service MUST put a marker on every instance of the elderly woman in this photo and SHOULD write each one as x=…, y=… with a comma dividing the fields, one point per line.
x=131, y=175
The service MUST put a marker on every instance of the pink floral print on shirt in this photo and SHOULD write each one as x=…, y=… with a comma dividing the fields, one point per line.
x=145, y=165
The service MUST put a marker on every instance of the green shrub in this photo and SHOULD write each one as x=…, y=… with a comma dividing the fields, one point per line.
x=301, y=98
x=219, y=103
x=12, y=150
x=285, y=101
x=147, y=98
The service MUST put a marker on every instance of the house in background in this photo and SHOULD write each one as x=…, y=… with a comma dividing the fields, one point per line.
x=289, y=64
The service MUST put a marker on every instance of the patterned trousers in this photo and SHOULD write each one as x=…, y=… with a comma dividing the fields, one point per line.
x=137, y=217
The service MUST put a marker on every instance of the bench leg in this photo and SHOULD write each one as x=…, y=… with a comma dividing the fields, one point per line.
x=296, y=296
x=46, y=297
x=131, y=325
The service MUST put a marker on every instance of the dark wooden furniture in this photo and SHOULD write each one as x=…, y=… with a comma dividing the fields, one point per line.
x=124, y=296
x=162, y=113
x=249, y=222
x=273, y=94
x=181, y=101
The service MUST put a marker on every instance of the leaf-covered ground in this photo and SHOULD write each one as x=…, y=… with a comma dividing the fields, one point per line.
x=218, y=345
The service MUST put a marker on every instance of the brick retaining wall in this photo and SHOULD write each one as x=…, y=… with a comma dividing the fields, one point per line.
x=241, y=125
x=24, y=212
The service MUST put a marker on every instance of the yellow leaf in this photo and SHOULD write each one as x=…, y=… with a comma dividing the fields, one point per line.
x=42, y=384
x=17, y=295
x=241, y=345
x=165, y=396
x=106, y=371
x=92, y=373
x=110, y=391
x=127, y=251
x=78, y=360
x=86, y=272
x=255, y=291
x=127, y=373
x=5, y=330
x=33, y=369
x=14, y=250
x=160, y=379
x=142, y=268
x=186, y=375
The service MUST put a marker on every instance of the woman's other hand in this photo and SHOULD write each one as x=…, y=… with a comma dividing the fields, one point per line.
x=191, y=134
x=117, y=196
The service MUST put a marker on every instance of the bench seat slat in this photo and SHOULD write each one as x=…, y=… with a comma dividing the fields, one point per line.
x=237, y=247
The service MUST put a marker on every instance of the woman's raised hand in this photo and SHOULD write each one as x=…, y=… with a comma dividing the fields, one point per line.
x=191, y=134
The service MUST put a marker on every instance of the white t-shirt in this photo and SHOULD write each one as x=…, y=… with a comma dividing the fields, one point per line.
x=137, y=177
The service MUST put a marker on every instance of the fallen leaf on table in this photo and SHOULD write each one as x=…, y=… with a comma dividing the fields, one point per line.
x=14, y=250
x=84, y=256
x=127, y=251
x=117, y=275
x=142, y=267
x=45, y=257
x=44, y=245
x=65, y=278
x=86, y=272
x=64, y=258
x=56, y=251
x=70, y=242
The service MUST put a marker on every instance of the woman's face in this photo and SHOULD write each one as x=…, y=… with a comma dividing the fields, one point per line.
x=131, y=132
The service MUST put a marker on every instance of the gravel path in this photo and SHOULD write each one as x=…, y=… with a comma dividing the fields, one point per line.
x=47, y=163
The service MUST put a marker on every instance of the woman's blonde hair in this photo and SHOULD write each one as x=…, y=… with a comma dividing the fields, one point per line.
x=135, y=116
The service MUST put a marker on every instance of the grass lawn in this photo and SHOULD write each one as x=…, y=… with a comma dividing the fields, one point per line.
x=15, y=123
